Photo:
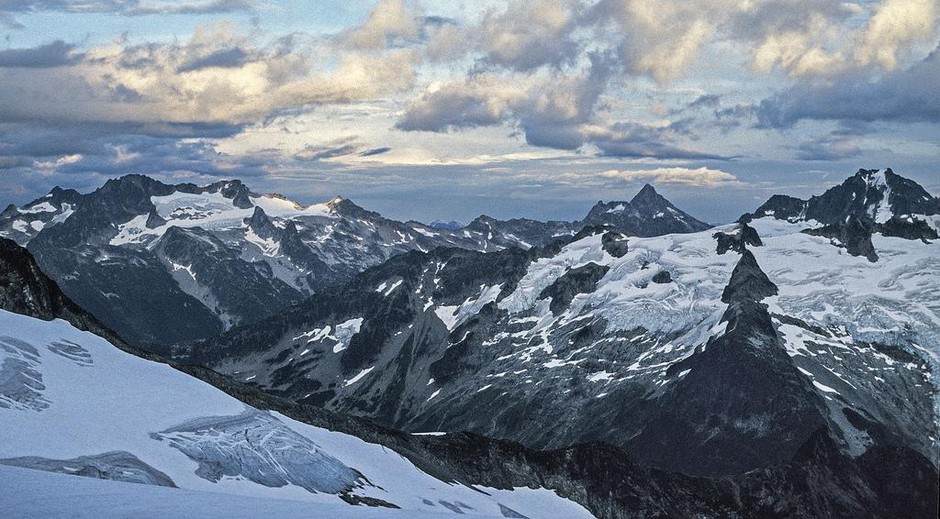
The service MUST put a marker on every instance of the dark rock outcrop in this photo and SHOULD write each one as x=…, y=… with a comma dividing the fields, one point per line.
x=854, y=234
x=575, y=281
x=738, y=240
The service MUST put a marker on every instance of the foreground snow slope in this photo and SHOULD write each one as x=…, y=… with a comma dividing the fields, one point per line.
x=71, y=402
x=69, y=496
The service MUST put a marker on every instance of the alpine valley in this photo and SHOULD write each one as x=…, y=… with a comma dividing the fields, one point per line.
x=324, y=359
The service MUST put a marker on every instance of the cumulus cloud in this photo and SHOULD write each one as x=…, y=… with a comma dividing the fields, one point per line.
x=556, y=111
x=479, y=100
x=530, y=34
x=660, y=39
x=894, y=26
x=391, y=23
x=216, y=77
x=703, y=176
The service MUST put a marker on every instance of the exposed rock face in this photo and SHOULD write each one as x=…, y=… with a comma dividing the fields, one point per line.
x=576, y=281
x=662, y=277
x=854, y=234
x=117, y=251
x=452, y=340
x=818, y=481
x=909, y=228
x=25, y=289
x=738, y=240
x=615, y=243
x=739, y=403
x=871, y=201
x=162, y=264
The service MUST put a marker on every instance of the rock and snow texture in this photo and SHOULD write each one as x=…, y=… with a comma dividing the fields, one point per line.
x=72, y=403
x=575, y=343
x=150, y=245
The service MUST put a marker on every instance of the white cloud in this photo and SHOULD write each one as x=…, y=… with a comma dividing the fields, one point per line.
x=705, y=177
x=216, y=77
x=391, y=23
x=895, y=25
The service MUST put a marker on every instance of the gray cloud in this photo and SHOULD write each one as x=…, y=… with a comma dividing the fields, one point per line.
x=55, y=54
x=530, y=34
x=127, y=7
x=633, y=140
x=342, y=147
x=223, y=58
x=828, y=148
x=558, y=114
x=902, y=96
x=10, y=9
x=705, y=101
x=463, y=105
x=205, y=7
x=375, y=151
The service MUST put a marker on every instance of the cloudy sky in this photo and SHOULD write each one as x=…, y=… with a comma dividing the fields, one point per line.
x=453, y=108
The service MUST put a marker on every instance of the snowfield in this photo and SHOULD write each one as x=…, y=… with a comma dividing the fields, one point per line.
x=76, y=497
x=70, y=402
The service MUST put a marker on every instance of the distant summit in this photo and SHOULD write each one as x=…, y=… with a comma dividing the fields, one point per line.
x=648, y=214
x=451, y=225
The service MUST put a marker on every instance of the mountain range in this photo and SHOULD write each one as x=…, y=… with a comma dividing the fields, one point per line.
x=187, y=262
x=635, y=363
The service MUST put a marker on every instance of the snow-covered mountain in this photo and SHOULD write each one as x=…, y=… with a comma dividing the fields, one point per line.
x=756, y=370
x=165, y=263
x=876, y=196
x=161, y=263
x=708, y=353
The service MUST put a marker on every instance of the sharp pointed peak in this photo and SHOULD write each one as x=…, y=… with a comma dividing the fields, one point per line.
x=647, y=192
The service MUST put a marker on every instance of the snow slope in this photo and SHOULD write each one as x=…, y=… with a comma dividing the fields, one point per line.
x=67, y=397
x=30, y=493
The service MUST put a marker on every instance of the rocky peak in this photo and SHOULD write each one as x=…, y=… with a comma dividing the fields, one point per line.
x=236, y=191
x=346, y=207
x=481, y=223
x=748, y=281
x=57, y=196
x=738, y=240
x=134, y=186
x=648, y=195
x=261, y=224
x=451, y=225
x=647, y=214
